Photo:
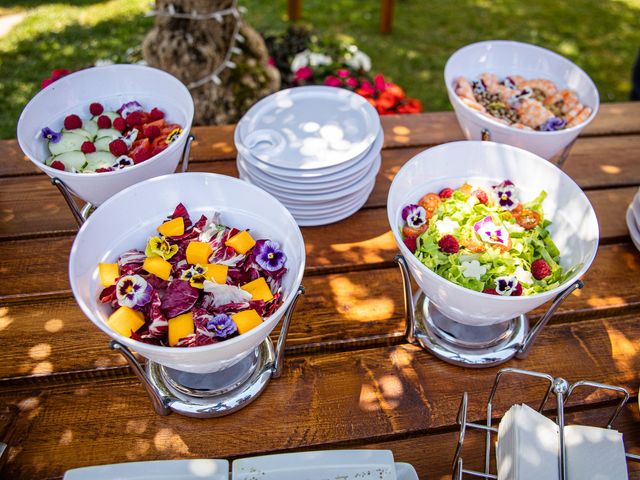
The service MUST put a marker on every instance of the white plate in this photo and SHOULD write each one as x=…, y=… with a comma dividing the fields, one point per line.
x=632, y=225
x=201, y=469
x=306, y=128
x=327, y=219
x=338, y=171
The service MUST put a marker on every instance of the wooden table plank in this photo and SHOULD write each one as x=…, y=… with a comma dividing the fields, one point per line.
x=216, y=143
x=333, y=398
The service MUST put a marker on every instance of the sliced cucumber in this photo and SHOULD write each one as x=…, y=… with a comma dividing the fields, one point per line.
x=102, y=144
x=91, y=127
x=68, y=143
x=108, y=132
x=80, y=131
x=73, y=161
x=99, y=160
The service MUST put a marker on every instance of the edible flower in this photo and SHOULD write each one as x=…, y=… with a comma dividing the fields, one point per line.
x=195, y=275
x=130, y=137
x=175, y=133
x=414, y=215
x=270, y=257
x=128, y=108
x=506, y=285
x=507, y=194
x=222, y=325
x=446, y=226
x=52, y=136
x=553, y=124
x=133, y=291
x=122, y=161
x=489, y=232
x=472, y=269
x=159, y=247
x=523, y=275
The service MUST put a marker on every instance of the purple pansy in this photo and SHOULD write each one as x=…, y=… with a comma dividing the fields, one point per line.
x=128, y=108
x=123, y=161
x=270, y=257
x=506, y=285
x=489, y=232
x=222, y=326
x=507, y=194
x=51, y=135
x=553, y=124
x=133, y=291
x=414, y=215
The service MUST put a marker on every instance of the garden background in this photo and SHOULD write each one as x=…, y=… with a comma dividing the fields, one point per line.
x=601, y=36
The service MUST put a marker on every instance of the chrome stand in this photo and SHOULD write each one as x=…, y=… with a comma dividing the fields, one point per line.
x=80, y=214
x=215, y=394
x=465, y=345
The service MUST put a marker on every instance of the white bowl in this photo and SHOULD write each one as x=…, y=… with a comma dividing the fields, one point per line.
x=130, y=217
x=112, y=86
x=514, y=58
x=574, y=228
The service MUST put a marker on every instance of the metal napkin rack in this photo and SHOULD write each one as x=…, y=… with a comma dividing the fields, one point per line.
x=559, y=388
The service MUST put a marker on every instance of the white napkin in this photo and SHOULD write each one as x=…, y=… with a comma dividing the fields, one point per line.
x=528, y=449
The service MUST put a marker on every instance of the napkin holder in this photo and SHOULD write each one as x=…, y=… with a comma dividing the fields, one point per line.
x=559, y=388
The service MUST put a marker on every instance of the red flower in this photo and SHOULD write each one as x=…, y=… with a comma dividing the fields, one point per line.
x=332, y=81
x=55, y=75
x=411, y=105
x=343, y=73
x=395, y=90
x=303, y=73
x=386, y=100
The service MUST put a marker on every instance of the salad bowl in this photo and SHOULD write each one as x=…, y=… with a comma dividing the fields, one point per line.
x=112, y=86
x=574, y=227
x=130, y=217
x=504, y=58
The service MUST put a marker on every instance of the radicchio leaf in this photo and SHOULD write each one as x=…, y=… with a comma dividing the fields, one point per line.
x=130, y=262
x=158, y=325
x=181, y=211
x=108, y=294
x=179, y=297
x=223, y=294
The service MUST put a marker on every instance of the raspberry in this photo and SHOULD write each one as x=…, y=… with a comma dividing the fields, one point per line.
x=100, y=170
x=58, y=165
x=540, y=269
x=119, y=124
x=134, y=119
x=449, y=244
x=104, y=122
x=141, y=155
x=517, y=291
x=151, y=132
x=72, y=122
x=446, y=193
x=96, y=109
x=155, y=114
x=490, y=291
x=481, y=195
x=118, y=147
x=87, y=147
x=410, y=242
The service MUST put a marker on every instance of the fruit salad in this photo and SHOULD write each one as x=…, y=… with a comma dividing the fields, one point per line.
x=108, y=140
x=485, y=239
x=193, y=284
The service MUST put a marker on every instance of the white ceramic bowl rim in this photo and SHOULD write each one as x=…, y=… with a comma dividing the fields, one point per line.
x=201, y=348
x=543, y=50
x=73, y=76
x=459, y=288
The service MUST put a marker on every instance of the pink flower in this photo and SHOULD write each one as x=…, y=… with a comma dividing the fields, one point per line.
x=379, y=83
x=367, y=88
x=352, y=82
x=272, y=62
x=303, y=73
x=332, y=81
x=343, y=73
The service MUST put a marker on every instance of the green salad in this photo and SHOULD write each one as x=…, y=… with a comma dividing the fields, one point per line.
x=485, y=239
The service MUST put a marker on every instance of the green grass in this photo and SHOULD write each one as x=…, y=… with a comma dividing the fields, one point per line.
x=601, y=36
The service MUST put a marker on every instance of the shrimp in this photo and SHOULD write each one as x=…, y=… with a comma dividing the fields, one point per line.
x=473, y=105
x=506, y=94
x=532, y=113
x=490, y=81
x=515, y=80
x=545, y=86
x=521, y=126
x=580, y=117
x=464, y=89
x=568, y=98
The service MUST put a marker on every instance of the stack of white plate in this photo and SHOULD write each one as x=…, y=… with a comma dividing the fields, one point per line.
x=633, y=220
x=316, y=149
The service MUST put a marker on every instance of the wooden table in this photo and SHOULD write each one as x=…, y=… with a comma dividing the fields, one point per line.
x=350, y=378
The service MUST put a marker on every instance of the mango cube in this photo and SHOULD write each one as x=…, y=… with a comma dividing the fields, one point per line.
x=259, y=289
x=108, y=273
x=241, y=242
x=246, y=320
x=172, y=228
x=199, y=252
x=216, y=273
x=180, y=327
x=125, y=320
x=157, y=266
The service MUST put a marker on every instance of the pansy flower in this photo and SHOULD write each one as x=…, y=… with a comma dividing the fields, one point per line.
x=507, y=194
x=195, y=275
x=159, y=247
x=122, y=162
x=129, y=138
x=222, y=326
x=175, y=133
x=489, y=232
x=269, y=256
x=553, y=124
x=414, y=215
x=506, y=285
x=51, y=135
x=133, y=291
x=128, y=108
